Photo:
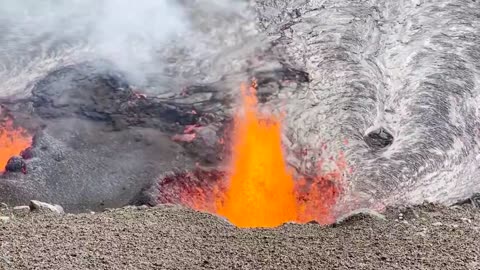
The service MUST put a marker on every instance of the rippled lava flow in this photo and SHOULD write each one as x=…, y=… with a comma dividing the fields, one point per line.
x=259, y=189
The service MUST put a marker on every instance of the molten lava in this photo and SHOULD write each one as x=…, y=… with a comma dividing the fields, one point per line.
x=13, y=140
x=259, y=189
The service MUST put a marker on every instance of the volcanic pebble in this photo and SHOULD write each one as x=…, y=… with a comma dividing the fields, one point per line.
x=171, y=237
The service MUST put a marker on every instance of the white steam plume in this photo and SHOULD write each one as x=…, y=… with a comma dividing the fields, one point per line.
x=37, y=36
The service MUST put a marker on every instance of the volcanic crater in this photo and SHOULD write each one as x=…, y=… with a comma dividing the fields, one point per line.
x=323, y=107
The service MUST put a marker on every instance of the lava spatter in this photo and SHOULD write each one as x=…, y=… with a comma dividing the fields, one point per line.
x=259, y=189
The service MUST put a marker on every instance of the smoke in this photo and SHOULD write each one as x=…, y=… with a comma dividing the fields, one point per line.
x=37, y=36
x=129, y=35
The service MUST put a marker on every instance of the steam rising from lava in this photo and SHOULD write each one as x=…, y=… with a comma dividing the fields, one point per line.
x=259, y=189
x=140, y=39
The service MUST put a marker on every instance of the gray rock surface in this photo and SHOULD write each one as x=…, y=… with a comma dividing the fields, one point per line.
x=21, y=211
x=4, y=219
x=171, y=237
x=45, y=207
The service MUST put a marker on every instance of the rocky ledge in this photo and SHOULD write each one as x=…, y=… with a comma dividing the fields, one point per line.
x=427, y=236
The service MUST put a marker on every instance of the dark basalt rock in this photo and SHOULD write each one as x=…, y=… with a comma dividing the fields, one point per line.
x=379, y=138
x=16, y=164
x=27, y=153
x=174, y=184
x=99, y=144
x=475, y=200
x=80, y=89
x=100, y=94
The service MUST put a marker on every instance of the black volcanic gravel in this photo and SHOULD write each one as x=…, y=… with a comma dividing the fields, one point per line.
x=171, y=237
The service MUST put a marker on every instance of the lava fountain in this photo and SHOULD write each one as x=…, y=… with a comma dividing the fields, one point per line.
x=259, y=189
x=13, y=140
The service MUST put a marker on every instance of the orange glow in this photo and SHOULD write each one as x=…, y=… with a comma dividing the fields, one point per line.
x=259, y=189
x=13, y=140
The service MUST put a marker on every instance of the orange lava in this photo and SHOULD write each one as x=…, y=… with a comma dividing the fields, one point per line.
x=13, y=140
x=259, y=190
